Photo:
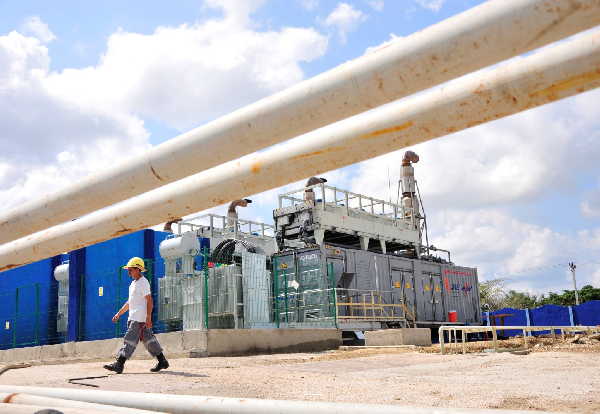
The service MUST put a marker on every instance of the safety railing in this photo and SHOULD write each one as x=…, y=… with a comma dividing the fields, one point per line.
x=371, y=305
x=213, y=225
x=465, y=330
x=328, y=195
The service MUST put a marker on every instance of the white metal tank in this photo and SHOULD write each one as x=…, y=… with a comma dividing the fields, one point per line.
x=185, y=245
x=61, y=272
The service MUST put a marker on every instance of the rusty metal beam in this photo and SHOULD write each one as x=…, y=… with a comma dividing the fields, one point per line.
x=567, y=69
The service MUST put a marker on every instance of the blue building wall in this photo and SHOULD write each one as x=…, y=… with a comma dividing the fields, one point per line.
x=98, y=287
x=105, y=285
x=26, y=295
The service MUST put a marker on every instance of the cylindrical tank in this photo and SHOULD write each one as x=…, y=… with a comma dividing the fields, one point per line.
x=61, y=272
x=185, y=245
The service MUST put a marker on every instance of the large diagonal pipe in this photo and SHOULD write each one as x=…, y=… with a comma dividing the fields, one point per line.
x=479, y=37
x=564, y=70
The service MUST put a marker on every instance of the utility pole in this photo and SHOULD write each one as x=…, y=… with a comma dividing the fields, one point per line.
x=573, y=267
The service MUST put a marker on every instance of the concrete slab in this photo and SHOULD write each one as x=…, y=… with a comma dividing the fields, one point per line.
x=105, y=349
x=224, y=342
x=17, y=355
x=195, y=339
x=58, y=351
x=171, y=342
x=402, y=336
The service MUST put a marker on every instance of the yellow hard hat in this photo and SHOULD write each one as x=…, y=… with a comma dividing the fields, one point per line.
x=137, y=262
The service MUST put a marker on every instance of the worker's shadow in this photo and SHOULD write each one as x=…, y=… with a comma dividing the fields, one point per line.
x=177, y=373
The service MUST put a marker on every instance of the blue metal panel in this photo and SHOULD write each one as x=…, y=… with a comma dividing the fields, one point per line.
x=24, y=302
x=587, y=313
x=159, y=263
x=106, y=285
x=551, y=315
x=76, y=272
x=518, y=318
x=7, y=318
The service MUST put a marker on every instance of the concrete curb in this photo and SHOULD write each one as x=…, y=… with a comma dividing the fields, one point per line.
x=194, y=344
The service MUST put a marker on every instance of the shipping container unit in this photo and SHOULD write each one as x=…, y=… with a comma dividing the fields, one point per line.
x=368, y=290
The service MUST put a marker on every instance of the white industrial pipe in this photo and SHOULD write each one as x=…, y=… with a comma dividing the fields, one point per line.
x=192, y=404
x=29, y=400
x=567, y=69
x=484, y=35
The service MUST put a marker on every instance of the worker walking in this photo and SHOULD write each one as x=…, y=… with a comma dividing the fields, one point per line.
x=139, y=323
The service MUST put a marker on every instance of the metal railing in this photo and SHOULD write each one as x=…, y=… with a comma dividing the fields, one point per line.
x=370, y=305
x=326, y=195
x=465, y=330
x=217, y=225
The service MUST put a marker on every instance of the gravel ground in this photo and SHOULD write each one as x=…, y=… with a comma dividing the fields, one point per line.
x=562, y=379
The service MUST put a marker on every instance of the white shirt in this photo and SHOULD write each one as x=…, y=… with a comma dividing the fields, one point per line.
x=138, y=290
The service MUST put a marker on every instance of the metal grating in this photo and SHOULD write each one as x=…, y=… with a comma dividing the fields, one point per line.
x=257, y=291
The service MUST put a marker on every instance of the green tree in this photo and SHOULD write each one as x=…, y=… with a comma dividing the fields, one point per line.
x=567, y=298
x=588, y=292
x=492, y=293
x=520, y=300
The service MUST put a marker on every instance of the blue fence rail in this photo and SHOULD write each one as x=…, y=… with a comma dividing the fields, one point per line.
x=548, y=315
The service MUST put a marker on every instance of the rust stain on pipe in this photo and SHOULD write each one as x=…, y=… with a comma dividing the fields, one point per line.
x=255, y=168
x=316, y=153
x=379, y=132
x=9, y=398
x=8, y=267
x=123, y=231
x=571, y=83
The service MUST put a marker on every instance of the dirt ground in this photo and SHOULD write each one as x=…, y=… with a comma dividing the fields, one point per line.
x=554, y=376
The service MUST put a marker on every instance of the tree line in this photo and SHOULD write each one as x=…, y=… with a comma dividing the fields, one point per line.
x=494, y=296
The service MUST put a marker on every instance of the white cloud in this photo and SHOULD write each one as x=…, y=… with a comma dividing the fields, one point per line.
x=595, y=278
x=309, y=5
x=345, y=19
x=57, y=127
x=35, y=26
x=376, y=5
x=46, y=140
x=530, y=256
x=433, y=5
x=590, y=206
x=187, y=75
x=236, y=11
x=492, y=239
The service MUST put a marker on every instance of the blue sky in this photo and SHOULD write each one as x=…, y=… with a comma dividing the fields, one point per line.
x=84, y=84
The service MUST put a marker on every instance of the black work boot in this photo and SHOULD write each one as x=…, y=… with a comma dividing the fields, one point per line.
x=162, y=363
x=117, y=366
